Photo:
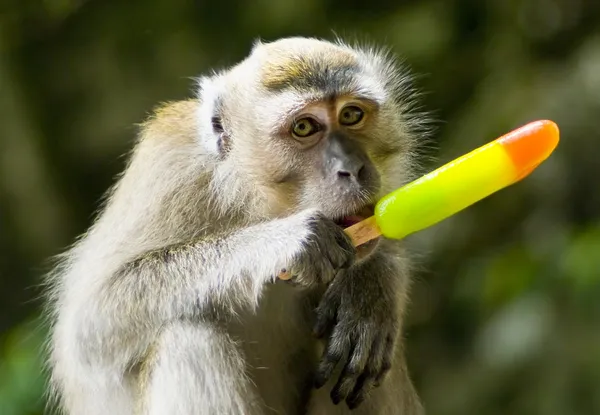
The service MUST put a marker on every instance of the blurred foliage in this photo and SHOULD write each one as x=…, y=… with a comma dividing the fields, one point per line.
x=505, y=313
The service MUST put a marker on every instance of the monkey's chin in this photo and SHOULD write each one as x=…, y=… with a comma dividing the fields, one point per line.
x=364, y=250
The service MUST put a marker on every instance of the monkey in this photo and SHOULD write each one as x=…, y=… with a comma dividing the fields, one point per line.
x=170, y=303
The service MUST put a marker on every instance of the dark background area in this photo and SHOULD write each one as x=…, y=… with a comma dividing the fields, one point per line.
x=505, y=313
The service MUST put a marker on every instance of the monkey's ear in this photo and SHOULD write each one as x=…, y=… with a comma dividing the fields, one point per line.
x=213, y=136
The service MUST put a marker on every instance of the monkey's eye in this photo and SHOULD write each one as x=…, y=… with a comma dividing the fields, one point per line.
x=351, y=115
x=305, y=127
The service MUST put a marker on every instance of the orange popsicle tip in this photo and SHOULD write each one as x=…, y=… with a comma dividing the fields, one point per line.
x=529, y=145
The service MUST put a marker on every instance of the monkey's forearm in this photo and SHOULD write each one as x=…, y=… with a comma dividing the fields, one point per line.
x=361, y=313
x=387, y=267
x=187, y=279
x=384, y=277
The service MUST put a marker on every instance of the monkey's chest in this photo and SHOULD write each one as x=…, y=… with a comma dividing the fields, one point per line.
x=279, y=349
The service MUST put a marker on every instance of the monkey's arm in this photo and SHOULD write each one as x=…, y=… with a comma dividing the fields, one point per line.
x=361, y=314
x=184, y=280
x=224, y=274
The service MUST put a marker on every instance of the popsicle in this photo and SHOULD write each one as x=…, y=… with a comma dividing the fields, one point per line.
x=458, y=184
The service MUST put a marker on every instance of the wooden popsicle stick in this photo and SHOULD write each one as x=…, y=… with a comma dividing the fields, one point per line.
x=360, y=233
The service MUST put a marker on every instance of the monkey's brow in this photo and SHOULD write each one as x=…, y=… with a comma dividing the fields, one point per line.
x=333, y=78
x=370, y=100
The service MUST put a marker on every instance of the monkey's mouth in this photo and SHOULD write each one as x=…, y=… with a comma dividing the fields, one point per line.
x=365, y=212
x=358, y=216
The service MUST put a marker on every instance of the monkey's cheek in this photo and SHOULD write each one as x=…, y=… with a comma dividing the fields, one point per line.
x=365, y=250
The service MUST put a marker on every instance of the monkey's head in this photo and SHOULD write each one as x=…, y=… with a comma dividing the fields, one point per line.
x=310, y=123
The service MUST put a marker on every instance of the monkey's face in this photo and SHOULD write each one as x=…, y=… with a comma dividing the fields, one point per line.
x=328, y=157
x=332, y=133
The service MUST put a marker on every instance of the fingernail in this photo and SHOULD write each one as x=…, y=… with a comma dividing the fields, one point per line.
x=335, y=396
x=319, y=381
x=353, y=404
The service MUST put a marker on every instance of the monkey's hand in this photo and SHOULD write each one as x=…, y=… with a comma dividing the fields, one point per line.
x=325, y=250
x=359, y=314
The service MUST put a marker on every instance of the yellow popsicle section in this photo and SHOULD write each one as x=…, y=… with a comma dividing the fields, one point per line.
x=465, y=180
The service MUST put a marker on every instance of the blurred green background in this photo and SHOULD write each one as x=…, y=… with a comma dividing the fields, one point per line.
x=505, y=314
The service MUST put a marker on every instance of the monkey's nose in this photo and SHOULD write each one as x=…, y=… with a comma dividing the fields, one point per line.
x=351, y=171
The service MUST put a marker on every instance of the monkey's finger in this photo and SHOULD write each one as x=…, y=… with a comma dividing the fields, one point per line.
x=326, y=313
x=364, y=385
x=352, y=370
x=349, y=251
x=326, y=317
x=366, y=381
x=336, y=247
x=294, y=272
x=331, y=261
x=337, y=346
x=376, y=358
x=345, y=253
x=324, y=262
x=386, y=363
